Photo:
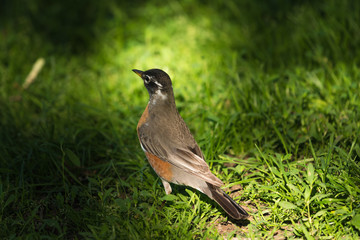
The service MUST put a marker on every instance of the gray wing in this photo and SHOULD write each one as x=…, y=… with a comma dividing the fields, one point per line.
x=181, y=151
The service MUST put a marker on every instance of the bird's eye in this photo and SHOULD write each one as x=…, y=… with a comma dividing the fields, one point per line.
x=146, y=79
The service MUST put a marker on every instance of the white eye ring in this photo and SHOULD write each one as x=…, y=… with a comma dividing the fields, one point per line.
x=146, y=79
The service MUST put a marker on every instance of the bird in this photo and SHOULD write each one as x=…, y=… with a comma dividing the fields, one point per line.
x=170, y=147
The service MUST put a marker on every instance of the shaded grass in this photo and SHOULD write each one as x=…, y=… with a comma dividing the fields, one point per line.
x=270, y=91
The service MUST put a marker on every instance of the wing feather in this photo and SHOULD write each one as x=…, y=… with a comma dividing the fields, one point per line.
x=188, y=158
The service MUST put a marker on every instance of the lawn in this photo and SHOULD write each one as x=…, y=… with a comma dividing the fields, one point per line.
x=269, y=89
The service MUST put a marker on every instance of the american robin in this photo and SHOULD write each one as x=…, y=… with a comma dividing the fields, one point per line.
x=171, y=149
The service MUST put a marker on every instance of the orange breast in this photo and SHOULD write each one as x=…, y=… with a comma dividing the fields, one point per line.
x=144, y=117
x=162, y=168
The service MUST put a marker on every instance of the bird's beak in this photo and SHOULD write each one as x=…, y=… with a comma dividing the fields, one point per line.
x=138, y=72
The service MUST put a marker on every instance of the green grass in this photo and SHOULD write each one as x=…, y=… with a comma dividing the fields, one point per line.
x=270, y=90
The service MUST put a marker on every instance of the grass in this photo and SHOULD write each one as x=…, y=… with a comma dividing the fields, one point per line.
x=270, y=91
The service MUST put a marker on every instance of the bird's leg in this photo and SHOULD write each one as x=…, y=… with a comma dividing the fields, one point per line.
x=167, y=190
x=166, y=186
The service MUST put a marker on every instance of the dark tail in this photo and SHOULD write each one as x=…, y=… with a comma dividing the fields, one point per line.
x=227, y=203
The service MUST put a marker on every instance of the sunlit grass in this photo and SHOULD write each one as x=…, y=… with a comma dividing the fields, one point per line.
x=269, y=90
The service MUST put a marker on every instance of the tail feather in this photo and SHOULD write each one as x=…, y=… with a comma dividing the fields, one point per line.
x=227, y=203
